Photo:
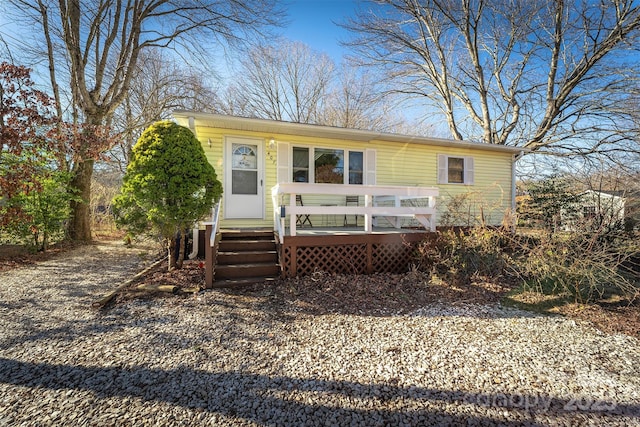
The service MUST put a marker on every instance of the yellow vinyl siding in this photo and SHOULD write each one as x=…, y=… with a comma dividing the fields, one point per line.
x=405, y=164
x=414, y=164
x=490, y=196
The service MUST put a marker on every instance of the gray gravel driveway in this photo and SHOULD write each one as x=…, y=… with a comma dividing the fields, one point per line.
x=222, y=359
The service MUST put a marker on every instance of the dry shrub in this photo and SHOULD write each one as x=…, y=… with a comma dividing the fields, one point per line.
x=460, y=256
x=584, y=265
x=103, y=189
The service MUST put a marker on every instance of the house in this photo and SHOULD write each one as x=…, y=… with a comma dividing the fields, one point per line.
x=608, y=205
x=331, y=193
x=597, y=209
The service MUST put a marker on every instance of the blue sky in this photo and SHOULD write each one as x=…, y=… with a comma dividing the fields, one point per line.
x=313, y=22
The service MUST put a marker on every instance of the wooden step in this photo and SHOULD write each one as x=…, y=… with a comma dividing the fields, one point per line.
x=244, y=257
x=246, y=245
x=233, y=283
x=247, y=235
x=235, y=271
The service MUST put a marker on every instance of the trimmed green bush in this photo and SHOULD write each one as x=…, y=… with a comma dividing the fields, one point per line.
x=169, y=184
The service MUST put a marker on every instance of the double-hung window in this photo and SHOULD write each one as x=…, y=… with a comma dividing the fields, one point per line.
x=455, y=169
x=300, y=164
x=327, y=165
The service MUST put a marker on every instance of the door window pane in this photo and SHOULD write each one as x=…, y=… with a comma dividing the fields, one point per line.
x=244, y=170
x=244, y=157
x=244, y=182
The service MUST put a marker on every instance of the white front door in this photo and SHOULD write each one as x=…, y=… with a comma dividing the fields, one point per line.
x=244, y=189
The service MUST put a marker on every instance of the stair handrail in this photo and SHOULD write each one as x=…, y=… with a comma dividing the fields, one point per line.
x=215, y=222
x=278, y=218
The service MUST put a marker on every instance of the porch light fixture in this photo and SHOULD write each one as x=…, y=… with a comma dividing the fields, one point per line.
x=209, y=142
x=272, y=143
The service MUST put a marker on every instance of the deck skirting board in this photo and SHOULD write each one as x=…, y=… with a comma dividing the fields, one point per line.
x=349, y=254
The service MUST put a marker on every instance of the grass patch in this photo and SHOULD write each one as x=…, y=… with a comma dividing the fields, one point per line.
x=524, y=298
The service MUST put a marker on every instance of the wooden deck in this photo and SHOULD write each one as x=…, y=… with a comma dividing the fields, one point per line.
x=388, y=202
x=339, y=250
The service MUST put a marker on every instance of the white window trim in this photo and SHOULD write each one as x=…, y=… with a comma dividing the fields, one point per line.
x=443, y=169
x=370, y=166
x=284, y=160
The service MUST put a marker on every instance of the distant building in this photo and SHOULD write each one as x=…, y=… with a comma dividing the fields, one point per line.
x=597, y=208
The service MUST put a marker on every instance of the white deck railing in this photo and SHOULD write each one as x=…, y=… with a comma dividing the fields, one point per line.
x=284, y=203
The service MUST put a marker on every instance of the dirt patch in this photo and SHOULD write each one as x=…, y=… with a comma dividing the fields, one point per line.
x=14, y=256
x=611, y=315
x=184, y=281
x=623, y=319
x=322, y=293
x=377, y=294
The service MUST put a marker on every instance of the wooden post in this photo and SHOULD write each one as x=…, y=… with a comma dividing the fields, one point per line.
x=368, y=218
x=208, y=258
x=293, y=219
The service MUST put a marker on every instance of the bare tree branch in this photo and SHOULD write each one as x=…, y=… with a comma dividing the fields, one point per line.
x=524, y=73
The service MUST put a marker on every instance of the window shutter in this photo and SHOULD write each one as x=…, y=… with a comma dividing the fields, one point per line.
x=468, y=171
x=370, y=167
x=443, y=175
x=284, y=173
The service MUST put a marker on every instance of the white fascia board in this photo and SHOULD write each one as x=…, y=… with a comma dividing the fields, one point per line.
x=303, y=129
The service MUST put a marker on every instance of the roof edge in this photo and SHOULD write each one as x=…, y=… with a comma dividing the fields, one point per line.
x=291, y=128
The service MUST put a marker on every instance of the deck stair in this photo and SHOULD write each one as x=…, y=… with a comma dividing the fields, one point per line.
x=246, y=257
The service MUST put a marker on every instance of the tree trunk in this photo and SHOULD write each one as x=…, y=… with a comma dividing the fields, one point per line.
x=79, y=228
x=171, y=248
x=183, y=245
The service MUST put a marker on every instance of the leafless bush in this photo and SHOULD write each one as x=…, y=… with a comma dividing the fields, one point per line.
x=104, y=188
x=584, y=265
x=460, y=255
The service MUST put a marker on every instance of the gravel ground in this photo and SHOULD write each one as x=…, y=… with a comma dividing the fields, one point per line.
x=221, y=358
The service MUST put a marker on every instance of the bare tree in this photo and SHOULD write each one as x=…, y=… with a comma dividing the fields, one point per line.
x=159, y=85
x=103, y=41
x=234, y=101
x=541, y=74
x=289, y=81
x=356, y=101
x=353, y=102
x=282, y=81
